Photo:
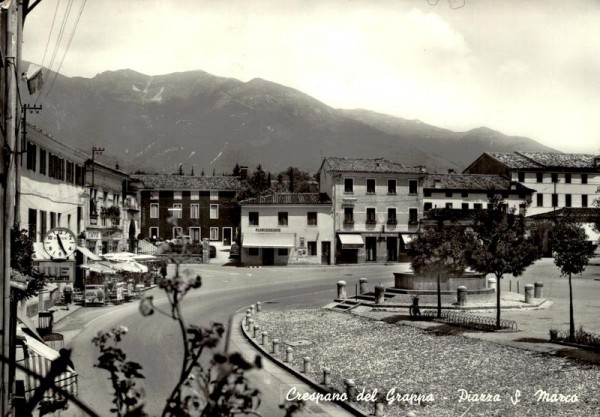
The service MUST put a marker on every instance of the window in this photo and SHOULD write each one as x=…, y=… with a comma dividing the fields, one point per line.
x=539, y=176
x=214, y=211
x=214, y=195
x=153, y=195
x=371, y=219
x=282, y=218
x=312, y=248
x=370, y=186
x=464, y=194
x=214, y=233
x=477, y=206
x=70, y=172
x=32, y=221
x=584, y=200
x=391, y=215
x=568, y=178
x=177, y=195
x=52, y=220
x=194, y=195
x=554, y=200
x=252, y=251
x=154, y=210
x=31, y=156
x=540, y=200
x=177, y=211
x=448, y=193
x=584, y=178
x=427, y=206
x=521, y=176
x=465, y=206
x=391, y=186
x=413, y=214
x=253, y=218
x=413, y=186
x=427, y=193
x=194, y=211
x=43, y=159
x=554, y=177
x=195, y=234
x=177, y=232
x=311, y=218
x=348, y=215
x=567, y=200
x=43, y=223
x=348, y=185
x=282, y=252
x=448, y=205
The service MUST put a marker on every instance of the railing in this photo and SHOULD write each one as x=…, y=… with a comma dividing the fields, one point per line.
x=392, y=222
x=471, y=321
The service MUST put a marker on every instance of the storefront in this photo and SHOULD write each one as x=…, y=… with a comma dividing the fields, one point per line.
x=267, y=248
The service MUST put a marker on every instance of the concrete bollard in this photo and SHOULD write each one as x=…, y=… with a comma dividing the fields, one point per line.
x=258, y=307
x=539, y=290
x=379, y=294
x=492, y=283
x=529, y=294
x=250, y=327
x=307, y=364
x=265, y=337
x=461, y=296
x=326, y=376
x=379, y=411
x=256, y=331
x=341, y=290
x=350, y=389
x=289, y=355
x=275, y=346
x=363, y=286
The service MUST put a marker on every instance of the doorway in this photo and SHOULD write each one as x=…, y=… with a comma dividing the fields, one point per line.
x=371, y=248
x=392, y=249
x=227, y=232
x=326, y=253
x=268, y=256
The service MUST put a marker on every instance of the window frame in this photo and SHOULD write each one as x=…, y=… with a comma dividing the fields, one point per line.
x=392, y=186
x=215, y=215
x=310, y=216
x=157, y=207
x=251, y=220
x=311, y=248
x=371, y=186
x=282, y=218
x=195, y=215
x=348, y=185
x=413, y=184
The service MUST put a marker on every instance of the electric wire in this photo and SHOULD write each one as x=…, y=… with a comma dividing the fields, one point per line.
x=51, y=30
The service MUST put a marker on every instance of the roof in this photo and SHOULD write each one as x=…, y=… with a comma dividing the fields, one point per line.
x=289, y=198
x=377, y=165
x=187, y=182
x=482, y=182
x=546, y=160
x=584, y=214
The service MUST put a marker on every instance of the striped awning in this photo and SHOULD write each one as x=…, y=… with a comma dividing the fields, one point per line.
x=37, y=357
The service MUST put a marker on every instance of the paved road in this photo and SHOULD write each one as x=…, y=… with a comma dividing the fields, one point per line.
x=155, y=341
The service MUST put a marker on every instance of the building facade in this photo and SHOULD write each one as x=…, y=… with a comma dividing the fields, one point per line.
x=559, y=180
x=287, y=228
x=376, y=207
x=172, y=206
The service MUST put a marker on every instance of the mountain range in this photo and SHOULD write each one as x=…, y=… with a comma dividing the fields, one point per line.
x=208, y=123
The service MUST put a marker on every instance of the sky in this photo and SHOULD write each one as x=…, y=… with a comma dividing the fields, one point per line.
x=523, y=67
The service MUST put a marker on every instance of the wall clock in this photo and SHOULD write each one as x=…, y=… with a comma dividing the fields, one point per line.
x=60, y=242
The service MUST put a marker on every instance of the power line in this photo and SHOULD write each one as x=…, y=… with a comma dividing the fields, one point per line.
x=51, y=30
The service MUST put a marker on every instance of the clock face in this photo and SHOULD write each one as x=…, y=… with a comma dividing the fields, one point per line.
x=60, y=242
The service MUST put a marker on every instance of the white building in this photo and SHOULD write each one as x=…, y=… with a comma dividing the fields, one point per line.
x=285, y=229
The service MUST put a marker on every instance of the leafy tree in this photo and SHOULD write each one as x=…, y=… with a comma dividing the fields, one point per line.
x=596, y=218
x=298, y=181
x=502, y=244
x=441, y=250
x=236, y=170
x=571, y=255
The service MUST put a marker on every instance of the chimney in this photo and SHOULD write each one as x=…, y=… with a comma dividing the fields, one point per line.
x=243, y=173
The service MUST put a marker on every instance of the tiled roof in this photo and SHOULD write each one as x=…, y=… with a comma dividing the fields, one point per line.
x=289, y=198
x=584, y=214
x=472, y=182
x=338, y=164
x=545, y=160
x=186, y=182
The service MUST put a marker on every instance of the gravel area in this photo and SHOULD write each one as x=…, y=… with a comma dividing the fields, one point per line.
x=401, y=362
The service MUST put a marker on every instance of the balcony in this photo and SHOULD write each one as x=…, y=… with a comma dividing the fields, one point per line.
x=392, y=222
x=348, y=222
x=371, y=222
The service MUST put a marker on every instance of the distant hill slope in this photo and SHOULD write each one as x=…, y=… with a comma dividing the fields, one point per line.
x=154, y=123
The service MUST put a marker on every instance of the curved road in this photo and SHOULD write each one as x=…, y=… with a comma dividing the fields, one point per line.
x=155, y=341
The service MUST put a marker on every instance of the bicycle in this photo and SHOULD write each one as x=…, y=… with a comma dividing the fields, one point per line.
x=414, y=310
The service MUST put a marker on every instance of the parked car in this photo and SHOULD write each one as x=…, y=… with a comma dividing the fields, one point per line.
x=94, y=294
x=185, y=239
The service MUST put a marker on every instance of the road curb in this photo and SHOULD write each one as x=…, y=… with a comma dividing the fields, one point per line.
x=310, y=382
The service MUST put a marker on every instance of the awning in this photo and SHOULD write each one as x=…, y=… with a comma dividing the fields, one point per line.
x=590, y=232
x=351, y=241
x=130, y=266
x=268, y=240
x=408, y=238
x=38, y=357
x=98, y=268
x=90, y=255
x=127, y=256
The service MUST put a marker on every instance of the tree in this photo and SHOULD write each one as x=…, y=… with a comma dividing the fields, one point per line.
x=502, y=244
x=236, y=170
x=440, y=250
x=571, y=254
x=596, y=218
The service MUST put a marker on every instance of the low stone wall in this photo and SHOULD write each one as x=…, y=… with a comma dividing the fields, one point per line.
x=410, y=281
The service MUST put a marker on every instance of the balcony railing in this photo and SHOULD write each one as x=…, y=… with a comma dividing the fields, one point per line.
x=371, y=222
x=392, y=222
x=348, y=222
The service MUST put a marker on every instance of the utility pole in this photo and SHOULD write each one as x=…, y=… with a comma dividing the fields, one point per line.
x=11, y=23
